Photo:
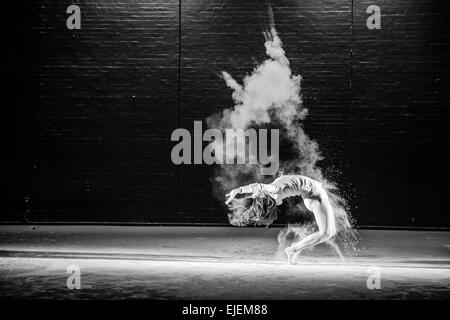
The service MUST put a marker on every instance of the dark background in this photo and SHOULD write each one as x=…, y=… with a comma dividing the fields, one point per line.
x=87, y=114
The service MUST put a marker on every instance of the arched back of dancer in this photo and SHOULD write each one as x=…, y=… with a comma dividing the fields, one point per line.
x=260, y=201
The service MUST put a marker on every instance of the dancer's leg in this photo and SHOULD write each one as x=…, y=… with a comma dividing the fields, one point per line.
x=323, y=213
x=310, y=240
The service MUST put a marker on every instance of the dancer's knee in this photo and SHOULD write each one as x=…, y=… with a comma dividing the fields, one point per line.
x=327, y=234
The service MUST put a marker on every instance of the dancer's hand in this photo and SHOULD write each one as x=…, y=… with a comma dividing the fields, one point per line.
x=232, y=194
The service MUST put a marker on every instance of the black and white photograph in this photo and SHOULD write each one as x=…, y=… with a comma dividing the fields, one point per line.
x=225, y=154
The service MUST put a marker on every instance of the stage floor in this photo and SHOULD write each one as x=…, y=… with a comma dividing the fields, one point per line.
x=153, y=262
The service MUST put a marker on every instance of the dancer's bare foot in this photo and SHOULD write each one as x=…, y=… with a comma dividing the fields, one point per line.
x=295, y=256
x=289, y=251
x=292, y=254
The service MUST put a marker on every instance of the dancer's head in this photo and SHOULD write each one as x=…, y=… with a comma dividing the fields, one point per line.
x=257, y=210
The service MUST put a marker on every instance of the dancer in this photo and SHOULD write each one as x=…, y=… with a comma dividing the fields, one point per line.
x=259, y=206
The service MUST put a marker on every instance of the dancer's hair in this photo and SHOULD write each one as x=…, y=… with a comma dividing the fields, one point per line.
x=258, y=210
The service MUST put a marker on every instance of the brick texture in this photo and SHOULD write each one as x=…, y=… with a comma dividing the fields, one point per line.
x=78, y=143
x=400, y=129
x=89, y=113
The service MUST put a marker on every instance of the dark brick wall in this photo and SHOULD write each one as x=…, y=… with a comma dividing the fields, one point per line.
x=77, y=142
x=400, y=103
